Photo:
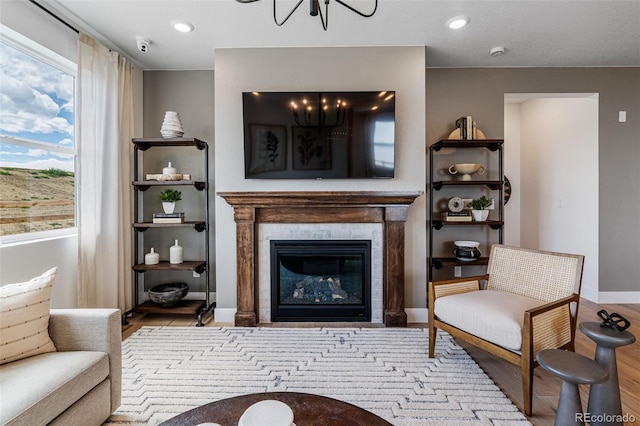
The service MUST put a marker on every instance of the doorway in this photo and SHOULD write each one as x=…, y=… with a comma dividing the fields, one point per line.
x=551, y=160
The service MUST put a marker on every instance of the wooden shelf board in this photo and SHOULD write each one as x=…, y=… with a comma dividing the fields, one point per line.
x=146, y=143
x=143, y=185
x=183, y=307
x=192, y=265
x=467, y=143
x=186, y=224
x=452, y=261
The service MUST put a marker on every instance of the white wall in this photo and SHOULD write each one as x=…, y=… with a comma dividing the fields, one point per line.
x=330, y=69
x=559, y=180
x=22, y=261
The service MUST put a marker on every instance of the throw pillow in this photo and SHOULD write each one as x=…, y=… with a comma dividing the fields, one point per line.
x=24, y=318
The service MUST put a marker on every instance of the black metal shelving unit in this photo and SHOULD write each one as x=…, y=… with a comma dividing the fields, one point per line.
x=435, y=221
x=140, y=227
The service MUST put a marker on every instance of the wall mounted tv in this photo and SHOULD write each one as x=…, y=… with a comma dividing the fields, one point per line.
x=319, y=135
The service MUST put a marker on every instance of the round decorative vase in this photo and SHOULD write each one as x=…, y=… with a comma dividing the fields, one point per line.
x=175, y=254
x=480, y=215
x=171, y=126
x=151, y=258
x=466, y=251
x=168, y=207
x=169, y=170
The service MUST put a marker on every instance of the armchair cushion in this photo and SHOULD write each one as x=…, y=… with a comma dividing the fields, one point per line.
x=495, y=316
x=24, y=318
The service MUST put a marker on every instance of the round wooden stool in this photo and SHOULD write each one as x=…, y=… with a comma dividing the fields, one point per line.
x=574, y=370
x=604, y=398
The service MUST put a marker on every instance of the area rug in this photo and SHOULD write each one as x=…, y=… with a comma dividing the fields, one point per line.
x=169, y=370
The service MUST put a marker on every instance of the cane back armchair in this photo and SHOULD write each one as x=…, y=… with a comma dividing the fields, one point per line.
x=528, y=301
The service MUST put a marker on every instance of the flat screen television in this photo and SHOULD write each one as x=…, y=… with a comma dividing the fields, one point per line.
x=319, y=135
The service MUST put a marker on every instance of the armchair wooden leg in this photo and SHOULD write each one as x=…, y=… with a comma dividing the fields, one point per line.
x=527, y=386
x=432, y=340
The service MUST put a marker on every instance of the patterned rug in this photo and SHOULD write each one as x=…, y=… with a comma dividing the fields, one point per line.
x=169, y=370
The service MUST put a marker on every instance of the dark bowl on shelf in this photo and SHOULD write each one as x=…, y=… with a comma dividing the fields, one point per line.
x=168, y=294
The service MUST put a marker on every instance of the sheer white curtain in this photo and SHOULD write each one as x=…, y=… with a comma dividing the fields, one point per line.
x=105, y=123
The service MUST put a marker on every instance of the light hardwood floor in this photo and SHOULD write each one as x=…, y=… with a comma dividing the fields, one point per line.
x=546, y=387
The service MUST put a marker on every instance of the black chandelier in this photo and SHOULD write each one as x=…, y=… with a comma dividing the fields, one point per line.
x=305, y=118
x=315, y=10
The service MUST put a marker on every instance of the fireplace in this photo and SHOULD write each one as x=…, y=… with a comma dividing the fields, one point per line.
x=314, y=280
x=251, y=210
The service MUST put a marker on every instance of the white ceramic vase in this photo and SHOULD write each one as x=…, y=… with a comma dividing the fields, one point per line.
x=171, y=126
x=151, y=258
x=175, y=254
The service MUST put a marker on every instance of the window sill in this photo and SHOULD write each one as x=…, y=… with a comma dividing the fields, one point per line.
x=35, y=237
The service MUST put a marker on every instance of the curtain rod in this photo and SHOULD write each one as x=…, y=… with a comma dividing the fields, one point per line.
x=55, y=16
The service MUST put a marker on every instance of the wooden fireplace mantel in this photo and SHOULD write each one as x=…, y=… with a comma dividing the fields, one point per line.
x=389, y=208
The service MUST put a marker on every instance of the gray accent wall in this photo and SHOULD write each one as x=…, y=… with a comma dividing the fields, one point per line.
x=452, y=93
x=190, y=94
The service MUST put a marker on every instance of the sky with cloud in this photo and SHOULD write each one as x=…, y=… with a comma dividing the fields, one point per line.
x=36, y=104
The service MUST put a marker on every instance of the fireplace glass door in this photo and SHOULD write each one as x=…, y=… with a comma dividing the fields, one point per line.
x=320, y=280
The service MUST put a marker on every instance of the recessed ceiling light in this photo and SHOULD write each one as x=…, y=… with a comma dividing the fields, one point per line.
x=458, y=22
x=182, y=26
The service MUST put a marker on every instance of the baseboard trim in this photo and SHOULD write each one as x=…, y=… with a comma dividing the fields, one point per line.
x=224, y=315
x=417, y=315
x=589, y=294
x=619, y=297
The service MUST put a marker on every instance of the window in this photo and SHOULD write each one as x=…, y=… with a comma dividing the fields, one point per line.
x=37, y=143
x=383, y=137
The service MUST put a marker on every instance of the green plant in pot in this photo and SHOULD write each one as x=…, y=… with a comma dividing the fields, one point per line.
x=479, y=208
x=169, y=197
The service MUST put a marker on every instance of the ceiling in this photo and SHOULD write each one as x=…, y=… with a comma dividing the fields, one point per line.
x=535, y=33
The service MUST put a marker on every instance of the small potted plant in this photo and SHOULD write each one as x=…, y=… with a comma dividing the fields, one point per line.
x=479, y=208
x=169, y=197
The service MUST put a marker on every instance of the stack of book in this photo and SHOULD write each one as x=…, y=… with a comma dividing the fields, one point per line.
x=168, y=218
x=463, y=216
x=467, y=127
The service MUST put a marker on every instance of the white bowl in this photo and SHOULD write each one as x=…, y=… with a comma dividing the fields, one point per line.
x=467, y=168
x=466, y=244
x=268, y=412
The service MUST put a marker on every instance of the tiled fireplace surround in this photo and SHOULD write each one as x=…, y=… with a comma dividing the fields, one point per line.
x=376, y=216
x=318, y=231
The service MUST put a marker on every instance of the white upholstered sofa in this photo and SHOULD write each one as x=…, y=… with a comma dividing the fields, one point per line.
x=78, y=384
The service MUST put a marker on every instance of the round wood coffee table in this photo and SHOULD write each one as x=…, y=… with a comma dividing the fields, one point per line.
x=308, y=410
